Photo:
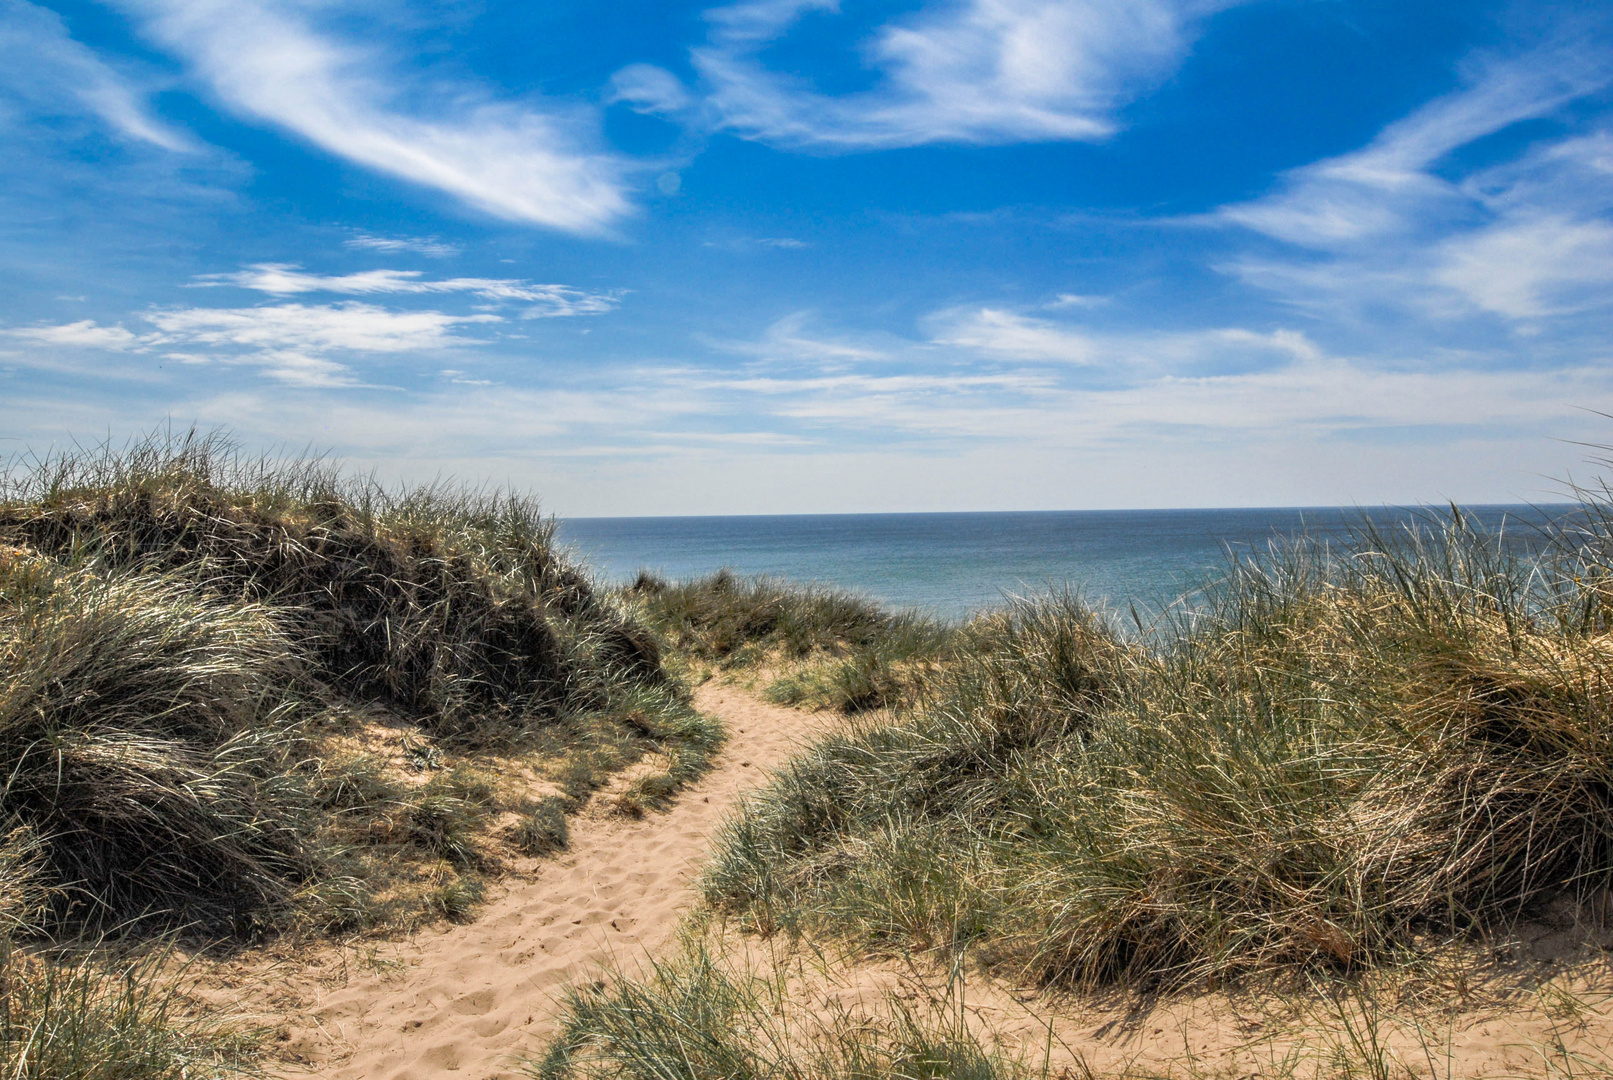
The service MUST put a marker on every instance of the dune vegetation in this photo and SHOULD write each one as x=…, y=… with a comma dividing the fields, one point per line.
x=242, y=697
x=815, y=647
x=1335, y=763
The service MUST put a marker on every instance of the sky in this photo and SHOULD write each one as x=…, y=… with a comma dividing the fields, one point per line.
x=801, y=256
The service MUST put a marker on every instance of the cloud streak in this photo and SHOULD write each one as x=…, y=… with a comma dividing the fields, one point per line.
x=975, y=71
x=394, y=245
x=285, y=279
x=1388, y=186
x=523, y=162
x=298, y=344
x=1395, y=230
x=42, y=64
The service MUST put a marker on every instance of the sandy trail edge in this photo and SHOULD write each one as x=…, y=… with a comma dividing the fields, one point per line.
x=470, y=999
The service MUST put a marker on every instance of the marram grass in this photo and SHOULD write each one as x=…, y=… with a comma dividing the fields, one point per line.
x=701, y=1014
x=1339, y=754
x=191, y=643
x=826, y=648
x=195, y=647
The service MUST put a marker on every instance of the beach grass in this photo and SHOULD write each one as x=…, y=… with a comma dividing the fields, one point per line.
x=717, y=1005
x=243, y=697
x=195, y=647
x=89, y=1013
x=1342, y=770
x=1338, y=755
x=821, y=648
x=701, y=1013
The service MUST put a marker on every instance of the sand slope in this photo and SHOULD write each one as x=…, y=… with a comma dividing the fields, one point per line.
x=468, y=999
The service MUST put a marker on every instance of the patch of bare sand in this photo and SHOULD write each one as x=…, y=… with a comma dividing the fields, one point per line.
x=1538, y=1005
x=468, y=1000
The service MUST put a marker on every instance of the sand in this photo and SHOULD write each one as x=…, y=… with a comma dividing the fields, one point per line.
x=470, y=1000
x=473, y=1000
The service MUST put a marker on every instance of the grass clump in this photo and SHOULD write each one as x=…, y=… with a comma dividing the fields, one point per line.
x=218, y=673
x=838, y=650
x=147, y=732
x=543, y=828
x=1339, y=755
x=88, y=1017
x=449, y=605
x=87, y=1013
x=700, y=1015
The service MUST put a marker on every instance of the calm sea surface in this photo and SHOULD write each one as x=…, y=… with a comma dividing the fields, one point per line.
x=953, y=564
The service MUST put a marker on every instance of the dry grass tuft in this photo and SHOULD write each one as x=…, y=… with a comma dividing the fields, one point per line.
x=194, y=650
x=1339, y=755
x=832, y=649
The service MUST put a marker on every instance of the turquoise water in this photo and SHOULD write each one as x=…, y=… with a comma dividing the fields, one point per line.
x=953, y=564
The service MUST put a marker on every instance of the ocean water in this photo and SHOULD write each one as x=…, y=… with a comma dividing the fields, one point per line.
x=951, y=565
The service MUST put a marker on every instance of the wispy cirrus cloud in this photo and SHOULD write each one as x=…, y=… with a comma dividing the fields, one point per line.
x=1126, y=356
x=520, y=161
x=85, y=333
x=353, y=327
x=43, y=66
x=1001, y=332
x=286, y=279
x=1394, y=227
x=1532, y=266
x=975, y=71
x=795, y=339
x=396, y=245
x=1277, y=383
x=974, y=377
x=1389, y=185
x=299, y=344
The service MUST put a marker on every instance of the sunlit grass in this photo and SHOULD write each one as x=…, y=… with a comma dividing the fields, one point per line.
x=1340, y=752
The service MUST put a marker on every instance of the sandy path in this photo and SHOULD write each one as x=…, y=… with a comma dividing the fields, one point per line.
x=471, y=997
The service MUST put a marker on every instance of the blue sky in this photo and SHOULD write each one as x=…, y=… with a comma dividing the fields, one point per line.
x=801, y=256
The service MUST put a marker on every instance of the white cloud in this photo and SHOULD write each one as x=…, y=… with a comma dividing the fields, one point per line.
x=393, y=245
x=1333, y=395
x=790, y=339
x=649, y=88
x=293, y=343
x=351, y=326
x=959, y=71
x=1007, y=333
x=1131, y=354
x=1233, y=381
x=283, y=279
x=1540, y=266
x=40, y=62
x=1039, y=391
x=1075, y=300
x=1191, y=416
x=863, y=386
x=1395, y=231
x=1387, y=186
x=520, y=162
x=83, y=334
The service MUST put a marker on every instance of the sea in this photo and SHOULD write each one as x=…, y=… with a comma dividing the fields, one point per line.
x=952, y=565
